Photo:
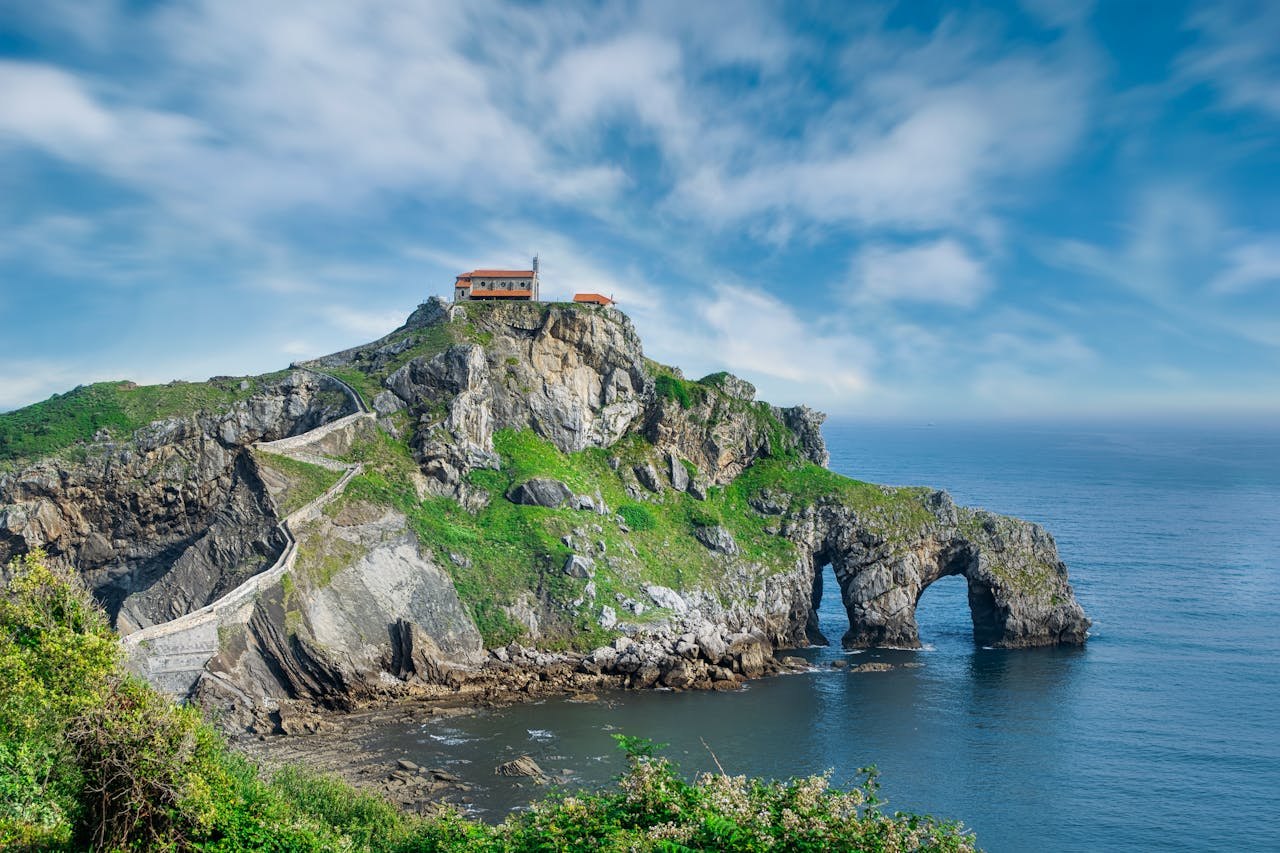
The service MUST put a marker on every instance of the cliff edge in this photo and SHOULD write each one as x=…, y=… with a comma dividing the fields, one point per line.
x=490, y=493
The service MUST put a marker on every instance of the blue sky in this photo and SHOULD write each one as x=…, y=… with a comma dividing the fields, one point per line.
x=898, y=210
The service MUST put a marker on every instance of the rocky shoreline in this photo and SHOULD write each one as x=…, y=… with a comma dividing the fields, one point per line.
x=706, y=661
x=331, y=740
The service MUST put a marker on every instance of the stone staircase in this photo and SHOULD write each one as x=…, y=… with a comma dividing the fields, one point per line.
x=172, y=655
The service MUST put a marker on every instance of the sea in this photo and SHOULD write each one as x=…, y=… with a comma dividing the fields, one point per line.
x=1162, y=733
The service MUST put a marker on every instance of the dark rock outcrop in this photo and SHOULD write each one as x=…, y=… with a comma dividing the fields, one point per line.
x=174, y=516
x=540, y=491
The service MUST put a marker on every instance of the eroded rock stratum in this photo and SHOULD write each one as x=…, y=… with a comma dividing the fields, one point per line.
x=527, y=482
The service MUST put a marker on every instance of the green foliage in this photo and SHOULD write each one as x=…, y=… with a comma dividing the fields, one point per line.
x=637, y=747
x=673, y=388
x=655, y=809
x=669, y=384
x=118, y=407
x=362, y=383
x=56, y=651
x=305, y=480
x=802, y=482
x=93, y=759
x=637, y=517
x=369, y=821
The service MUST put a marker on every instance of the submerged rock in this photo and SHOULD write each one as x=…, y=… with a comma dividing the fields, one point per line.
x=522, y=766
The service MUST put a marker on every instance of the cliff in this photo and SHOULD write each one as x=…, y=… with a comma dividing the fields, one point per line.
x=524, y=481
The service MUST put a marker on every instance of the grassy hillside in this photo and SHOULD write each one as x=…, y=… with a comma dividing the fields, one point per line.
x=93, y=759
x=65, y=420
x=304, y=481
x=505, y=550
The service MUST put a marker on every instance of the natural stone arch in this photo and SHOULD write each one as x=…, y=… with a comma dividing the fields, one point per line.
x=1018, y=590
x=881, y=598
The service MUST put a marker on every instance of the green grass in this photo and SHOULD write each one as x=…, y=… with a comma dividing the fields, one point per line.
x=892, y=508
x=306, y=481
x=512, y=550
x=120, y=408
x=361, y=382
x=668, y=384
x=319, y=559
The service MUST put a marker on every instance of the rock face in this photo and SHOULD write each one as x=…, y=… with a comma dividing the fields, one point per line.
x=1018, y=590
x=361, y=600
x=175, y=516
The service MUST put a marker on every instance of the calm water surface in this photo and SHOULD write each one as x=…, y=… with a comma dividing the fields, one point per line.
x=1162, y=734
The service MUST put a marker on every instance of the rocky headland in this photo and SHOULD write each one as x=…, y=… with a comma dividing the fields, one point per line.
x=492, y=501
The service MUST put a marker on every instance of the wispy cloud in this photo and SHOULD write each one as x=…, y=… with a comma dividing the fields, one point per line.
x=940, y=271
x=1235, y=53
x=1249, y=265
x=848, y=206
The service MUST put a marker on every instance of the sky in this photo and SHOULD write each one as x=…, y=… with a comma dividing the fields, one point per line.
x=915, y=210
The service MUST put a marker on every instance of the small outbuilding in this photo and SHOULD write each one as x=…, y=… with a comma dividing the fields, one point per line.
x=592, y=299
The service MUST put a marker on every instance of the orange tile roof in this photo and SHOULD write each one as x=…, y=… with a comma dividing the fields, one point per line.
x=497, y=274
x=592, y=298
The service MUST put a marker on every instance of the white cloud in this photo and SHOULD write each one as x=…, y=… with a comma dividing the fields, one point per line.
x=1249, y=265
x=299, y=348
x=22, y=382
x=362, y=322
x=924, y=136
x=942, y=271
x=47, y=107
x=1236, y=54
x=638, y=72
x=758, y=335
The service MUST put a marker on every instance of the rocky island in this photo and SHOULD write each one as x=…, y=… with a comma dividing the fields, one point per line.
x=493, y=498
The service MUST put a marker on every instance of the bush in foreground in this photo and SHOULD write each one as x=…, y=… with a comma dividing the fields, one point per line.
x=93, y=759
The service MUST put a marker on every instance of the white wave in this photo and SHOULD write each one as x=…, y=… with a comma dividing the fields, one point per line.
x=539, y=734
x=454, y=739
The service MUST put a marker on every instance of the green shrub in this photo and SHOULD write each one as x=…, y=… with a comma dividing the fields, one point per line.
x=637, y=516
x=673, y=388
x=56, y=653
x=654, y=808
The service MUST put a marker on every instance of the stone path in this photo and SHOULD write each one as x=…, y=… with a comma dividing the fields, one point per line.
x=172, y=655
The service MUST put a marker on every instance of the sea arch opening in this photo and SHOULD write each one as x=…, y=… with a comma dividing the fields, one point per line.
x=881, y=599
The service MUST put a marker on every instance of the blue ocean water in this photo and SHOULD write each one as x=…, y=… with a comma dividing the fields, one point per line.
x=1163, y=733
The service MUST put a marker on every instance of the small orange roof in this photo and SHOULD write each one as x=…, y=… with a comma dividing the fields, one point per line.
x=592, y=298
